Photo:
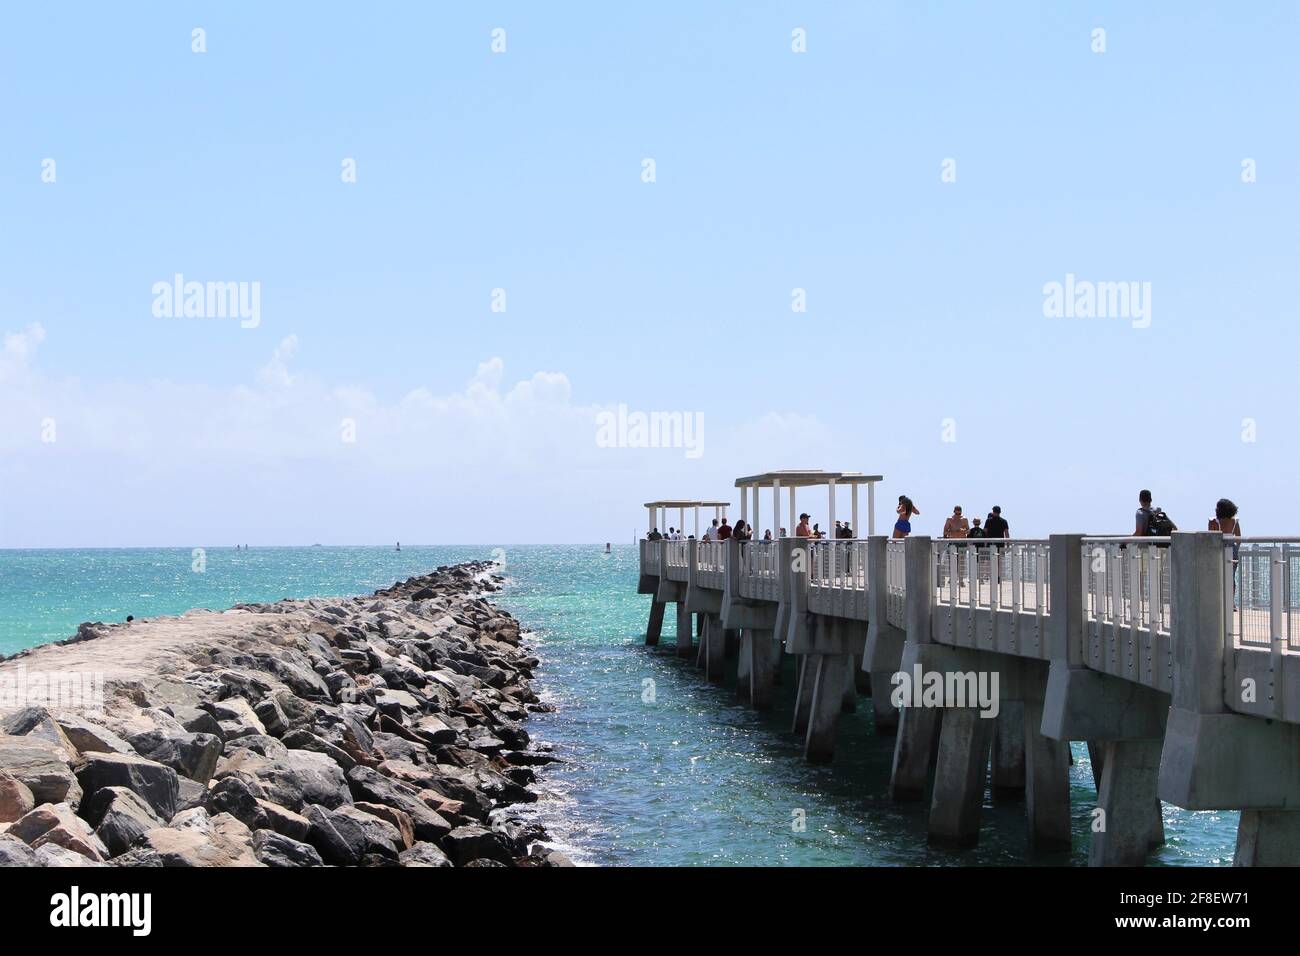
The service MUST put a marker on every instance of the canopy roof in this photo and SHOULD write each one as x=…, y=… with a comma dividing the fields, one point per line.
x=687, y=503
x=804, y=478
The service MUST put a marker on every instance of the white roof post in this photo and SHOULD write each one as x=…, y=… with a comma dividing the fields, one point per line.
x=697, y=522
x=776, y=508
x=853, y=494
x=744, y=503
x=757, y=519
x=681, y=520
x=871, y=507
x=794, y=515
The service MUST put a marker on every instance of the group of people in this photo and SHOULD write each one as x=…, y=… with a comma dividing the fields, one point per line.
x=1150, y=521
x=957, y=526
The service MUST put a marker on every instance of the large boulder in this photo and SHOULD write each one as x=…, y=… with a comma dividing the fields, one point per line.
x=51, y=854
x=219, y=841
x=235, y=717
x=371, y=786
x=298, y=778
x=152, y=782
x=15, y=798
x=194, y=755
x=278, y=850
x=119, y=817
x=39, y=724
x=42, y=767
x=234, y=796
x=285, y=822
x=424, y=854
x=340, y=840
x=14, y=852
x=57, y=824
x=465, y=844
x=91, y=738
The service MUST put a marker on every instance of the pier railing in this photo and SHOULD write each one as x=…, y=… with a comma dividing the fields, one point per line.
x=1126, y=583
x=896, y=582
x=993, y=574
x=1261, y=592
x=838, y=564
x=760, y=574
x=675, y=554
x=650, y=557
x=711, y=564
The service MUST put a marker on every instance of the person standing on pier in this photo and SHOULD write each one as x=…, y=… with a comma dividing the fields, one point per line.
x=742, y=531
x=801, y=529
x=724, y=530
x=903, y=526
x=711, y=532
x=995, y=526
x=956, y=526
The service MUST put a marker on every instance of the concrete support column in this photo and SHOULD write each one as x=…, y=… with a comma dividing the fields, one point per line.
x=960, y=775
x=715, y=654
x=831, y=676
x=1268, y=838
x=849, y=702
x=804, y=686
x=917, y=725
x=884, y=650
x=656, y=625
x=1124, y=832
x=1009, y=751
x=685, y=637
x=1047, y=783
x=744, y=664
x=762, y=668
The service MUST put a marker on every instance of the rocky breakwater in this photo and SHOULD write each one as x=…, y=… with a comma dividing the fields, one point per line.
x=373, y=731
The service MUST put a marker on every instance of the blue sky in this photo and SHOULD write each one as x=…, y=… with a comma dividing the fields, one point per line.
x=522, y=170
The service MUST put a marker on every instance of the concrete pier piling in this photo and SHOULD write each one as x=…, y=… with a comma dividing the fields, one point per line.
x=1183, y=682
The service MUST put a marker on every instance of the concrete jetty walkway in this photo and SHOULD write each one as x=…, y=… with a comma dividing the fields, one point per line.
x=1177, y=660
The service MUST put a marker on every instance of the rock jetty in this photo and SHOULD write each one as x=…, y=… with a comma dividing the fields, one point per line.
x=371, y=731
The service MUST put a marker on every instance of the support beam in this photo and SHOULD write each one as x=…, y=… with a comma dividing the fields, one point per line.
x=1009, y=751
x=1047, y=783
x=685, y=639
x=1124, y=832
x=960, y=776
x=832, y=673
x=655, y=628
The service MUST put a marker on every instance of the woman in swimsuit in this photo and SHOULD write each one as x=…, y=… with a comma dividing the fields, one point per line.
x=903, y=526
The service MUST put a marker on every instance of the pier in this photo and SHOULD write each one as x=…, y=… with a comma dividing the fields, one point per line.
x=1176, y=660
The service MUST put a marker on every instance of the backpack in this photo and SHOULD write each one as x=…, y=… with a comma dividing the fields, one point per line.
x=1159, y=524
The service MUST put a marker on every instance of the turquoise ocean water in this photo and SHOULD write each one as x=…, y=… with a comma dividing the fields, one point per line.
x=691, y=778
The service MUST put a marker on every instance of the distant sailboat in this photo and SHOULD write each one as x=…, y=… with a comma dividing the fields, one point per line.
x=399, y=546
x=607, y=547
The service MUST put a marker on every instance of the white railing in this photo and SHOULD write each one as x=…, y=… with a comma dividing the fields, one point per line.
x=1126, y=583
x=896, y=582
x=1261, y=592
x=649, y=557
x=994, y=574
x=838, y=564
x=711, y=556
x=759, y=570
x=675, y=554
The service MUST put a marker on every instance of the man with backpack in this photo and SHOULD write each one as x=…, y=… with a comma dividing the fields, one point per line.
x=1151, y=522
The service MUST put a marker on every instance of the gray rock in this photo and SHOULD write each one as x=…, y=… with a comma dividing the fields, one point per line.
x=272, y=717
x=51, y=854
x=56, y=823
x=191, y=793
x=305, y=740
x=382, y=838
x=277, y=850
x=341, y=841
x=262, y=744
x=424, y=854
x=298, y=778
x=91, y=738
x=154, y=783
x=119, y=817
x=194, y=755
x=232, y=795
x=196, y=720
x=469, y=843
x=42, y=767
x=370, y=786
x=236, y=718
x=219, y=841
x=38, y=724
x=14, y=852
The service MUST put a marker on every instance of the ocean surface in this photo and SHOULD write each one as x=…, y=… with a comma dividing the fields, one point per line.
x=685, y=776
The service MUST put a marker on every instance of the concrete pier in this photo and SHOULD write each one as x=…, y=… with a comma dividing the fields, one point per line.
x=1183, y=682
